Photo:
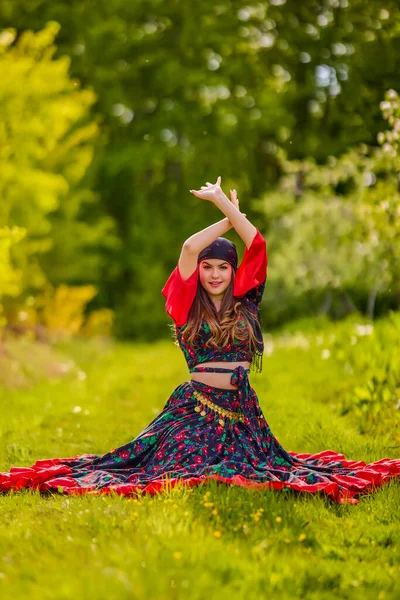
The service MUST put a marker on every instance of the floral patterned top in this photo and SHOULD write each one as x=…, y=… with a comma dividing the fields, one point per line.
x=249, y=285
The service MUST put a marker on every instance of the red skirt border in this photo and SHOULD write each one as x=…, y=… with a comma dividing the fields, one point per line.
x=46, y=476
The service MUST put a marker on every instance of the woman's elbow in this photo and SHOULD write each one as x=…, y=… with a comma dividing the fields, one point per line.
x=188, y=248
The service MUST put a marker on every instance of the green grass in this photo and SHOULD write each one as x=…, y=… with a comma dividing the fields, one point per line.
x=213, y=541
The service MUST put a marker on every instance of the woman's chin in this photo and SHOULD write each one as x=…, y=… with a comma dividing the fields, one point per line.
x=216, y=291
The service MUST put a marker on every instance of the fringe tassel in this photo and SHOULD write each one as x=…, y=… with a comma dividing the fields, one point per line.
x=256, y=362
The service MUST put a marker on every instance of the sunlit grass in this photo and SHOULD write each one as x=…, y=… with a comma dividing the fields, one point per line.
x=214, y=540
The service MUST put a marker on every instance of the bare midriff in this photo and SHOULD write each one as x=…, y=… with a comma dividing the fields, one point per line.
x=220, y=380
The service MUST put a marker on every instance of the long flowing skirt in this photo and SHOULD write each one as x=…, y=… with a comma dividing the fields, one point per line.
x=205, y=433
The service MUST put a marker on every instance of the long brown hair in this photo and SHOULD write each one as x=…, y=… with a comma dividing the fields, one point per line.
x=233, y=321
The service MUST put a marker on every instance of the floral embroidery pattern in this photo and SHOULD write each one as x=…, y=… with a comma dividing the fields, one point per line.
x=181, y=445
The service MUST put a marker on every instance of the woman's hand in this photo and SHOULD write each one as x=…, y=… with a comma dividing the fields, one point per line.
x=210, y=191
x=235, y=200
x=213, y=191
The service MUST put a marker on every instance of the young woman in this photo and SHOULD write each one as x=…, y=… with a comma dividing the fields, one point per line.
x=212, y=426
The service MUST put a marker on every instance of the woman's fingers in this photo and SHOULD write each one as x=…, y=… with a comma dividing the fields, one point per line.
x=208, y=191
x=208, y=184
x=234, y=198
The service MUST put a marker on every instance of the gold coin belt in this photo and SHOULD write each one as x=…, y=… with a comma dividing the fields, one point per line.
x=206, y=402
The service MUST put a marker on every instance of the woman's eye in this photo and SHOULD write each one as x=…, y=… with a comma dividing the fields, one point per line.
x=207, y=267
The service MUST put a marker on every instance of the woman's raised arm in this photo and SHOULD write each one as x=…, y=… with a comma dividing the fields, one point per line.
x=194, y=245
x=198, y=241
x=241, y=224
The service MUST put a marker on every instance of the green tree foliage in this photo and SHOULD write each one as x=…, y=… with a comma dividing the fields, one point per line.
x=10, y=278
x=187, y=91
x=46, y=145
x=340, y=238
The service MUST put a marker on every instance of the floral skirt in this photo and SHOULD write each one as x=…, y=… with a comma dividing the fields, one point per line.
x=205, y=433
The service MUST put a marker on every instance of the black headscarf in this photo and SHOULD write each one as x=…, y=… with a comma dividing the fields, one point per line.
x=220, y=248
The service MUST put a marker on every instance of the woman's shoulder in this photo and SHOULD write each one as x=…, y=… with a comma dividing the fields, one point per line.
x=252, y=298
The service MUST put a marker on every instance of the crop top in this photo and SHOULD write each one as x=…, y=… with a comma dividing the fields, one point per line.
x=248, y=286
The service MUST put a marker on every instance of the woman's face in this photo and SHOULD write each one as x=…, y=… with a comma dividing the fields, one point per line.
x=215, y=277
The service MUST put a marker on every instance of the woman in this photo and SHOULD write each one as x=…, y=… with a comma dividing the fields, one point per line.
x=211, y=426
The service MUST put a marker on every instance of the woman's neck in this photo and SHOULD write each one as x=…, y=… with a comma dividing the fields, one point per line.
x=217, y=301
x=217, y=304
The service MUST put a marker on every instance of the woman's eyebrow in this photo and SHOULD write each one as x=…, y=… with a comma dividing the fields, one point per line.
x=220, y=265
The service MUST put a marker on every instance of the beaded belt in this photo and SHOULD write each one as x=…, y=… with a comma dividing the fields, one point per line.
x=222, y=411
x=238, y=378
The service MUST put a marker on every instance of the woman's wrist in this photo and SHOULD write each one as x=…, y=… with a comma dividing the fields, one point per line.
x=242, y=226
x=222, y=202
x=219, y=197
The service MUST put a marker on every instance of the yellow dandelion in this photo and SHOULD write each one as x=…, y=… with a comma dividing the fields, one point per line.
x=214, y=512
x=217, y=534
x=177, y=555
x=302, y=537
x=278, y=519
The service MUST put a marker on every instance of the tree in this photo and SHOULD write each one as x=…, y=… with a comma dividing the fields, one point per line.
x=187, y=91
x=47, y=143
x=341, y=237
x=10, y=278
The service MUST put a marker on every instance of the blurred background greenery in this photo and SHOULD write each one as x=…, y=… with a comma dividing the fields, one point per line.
x=112, y=110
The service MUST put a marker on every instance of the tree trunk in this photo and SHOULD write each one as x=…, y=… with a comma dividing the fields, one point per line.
x=371, y=302
x=326, y=305
x=299, y=185
x=349, y=306
x=397, y=296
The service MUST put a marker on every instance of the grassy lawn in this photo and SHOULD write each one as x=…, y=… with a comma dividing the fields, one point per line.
x=212, y=541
